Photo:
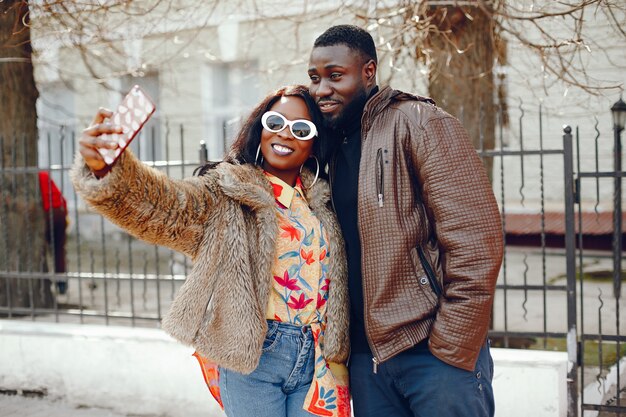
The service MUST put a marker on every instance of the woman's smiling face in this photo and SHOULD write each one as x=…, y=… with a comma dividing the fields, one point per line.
x=282, y=153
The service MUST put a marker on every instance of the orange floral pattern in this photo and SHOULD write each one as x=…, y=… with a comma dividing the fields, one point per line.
x=300, y=277
x=300, y=293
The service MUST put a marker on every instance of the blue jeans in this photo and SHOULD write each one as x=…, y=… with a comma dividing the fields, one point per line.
x=417, y=384
x=278, y=386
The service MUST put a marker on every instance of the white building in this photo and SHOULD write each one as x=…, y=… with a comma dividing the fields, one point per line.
x=205, y=66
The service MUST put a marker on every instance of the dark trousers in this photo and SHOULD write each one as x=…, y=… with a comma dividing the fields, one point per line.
x=56, y=237
x=417, y=384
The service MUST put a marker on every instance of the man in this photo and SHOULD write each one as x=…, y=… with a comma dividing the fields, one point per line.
x=423, y=236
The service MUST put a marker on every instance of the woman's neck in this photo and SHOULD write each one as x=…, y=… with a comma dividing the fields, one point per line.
x=289, y=177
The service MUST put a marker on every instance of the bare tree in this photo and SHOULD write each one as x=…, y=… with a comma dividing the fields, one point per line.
x=463, y=45
x=84, y=25
x=21, y=214
x=99, y=31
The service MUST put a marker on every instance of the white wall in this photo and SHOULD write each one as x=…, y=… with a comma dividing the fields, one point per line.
x=143, y=371
x=530, y=383
x=130, y=370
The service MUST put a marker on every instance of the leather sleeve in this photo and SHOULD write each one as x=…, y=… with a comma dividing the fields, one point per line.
x=147, y=203
x=459, y=200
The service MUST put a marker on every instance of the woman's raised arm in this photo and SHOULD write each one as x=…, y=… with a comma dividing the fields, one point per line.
x=138, y=198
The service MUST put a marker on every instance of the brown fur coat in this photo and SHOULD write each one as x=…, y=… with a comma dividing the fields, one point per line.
x=225, y=221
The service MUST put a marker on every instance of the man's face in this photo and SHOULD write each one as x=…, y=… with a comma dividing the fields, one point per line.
x=338, y=83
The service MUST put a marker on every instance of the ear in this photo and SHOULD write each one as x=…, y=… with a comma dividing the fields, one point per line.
x=369, y=73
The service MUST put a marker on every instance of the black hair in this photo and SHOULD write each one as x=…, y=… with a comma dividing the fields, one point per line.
x=245, y=146
x=353, y=37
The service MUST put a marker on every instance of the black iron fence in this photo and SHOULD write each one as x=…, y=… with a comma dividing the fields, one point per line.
x=90, y=270
x=601, y=341
x=559, y=287
x=560, y=283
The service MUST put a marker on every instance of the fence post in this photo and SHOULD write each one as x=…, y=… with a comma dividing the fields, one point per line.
x=570, y=252
x=617, y=212
x=204, y=153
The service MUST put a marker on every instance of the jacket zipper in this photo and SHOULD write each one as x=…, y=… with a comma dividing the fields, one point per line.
x=375, y=360
x=429, y=272
x=380, y=178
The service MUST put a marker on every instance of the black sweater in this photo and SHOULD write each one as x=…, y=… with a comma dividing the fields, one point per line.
x=345, y=188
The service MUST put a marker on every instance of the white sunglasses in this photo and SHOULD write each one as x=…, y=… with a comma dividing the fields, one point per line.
x=301, y=129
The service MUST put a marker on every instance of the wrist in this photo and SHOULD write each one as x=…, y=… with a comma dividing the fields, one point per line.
x=99, y=173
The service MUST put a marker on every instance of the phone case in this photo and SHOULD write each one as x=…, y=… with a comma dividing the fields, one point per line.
x=132, y=114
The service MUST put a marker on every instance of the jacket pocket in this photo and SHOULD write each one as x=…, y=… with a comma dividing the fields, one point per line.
x=430, y=273
x=427, y=285
x=380, y=177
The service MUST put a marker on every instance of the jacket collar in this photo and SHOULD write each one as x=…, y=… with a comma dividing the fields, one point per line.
x=384, y=98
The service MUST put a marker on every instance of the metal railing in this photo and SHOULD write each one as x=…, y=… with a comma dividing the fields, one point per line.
x=560, y=283
x=544, y=295
x=108, y=277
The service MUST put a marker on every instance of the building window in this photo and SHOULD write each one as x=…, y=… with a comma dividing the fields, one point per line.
x=57, y=124
x=56, y=121
x=229, y=91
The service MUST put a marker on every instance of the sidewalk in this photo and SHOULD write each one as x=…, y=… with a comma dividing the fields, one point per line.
x=21, y=406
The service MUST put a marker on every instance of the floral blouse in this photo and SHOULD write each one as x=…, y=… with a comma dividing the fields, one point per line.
x=298, y=295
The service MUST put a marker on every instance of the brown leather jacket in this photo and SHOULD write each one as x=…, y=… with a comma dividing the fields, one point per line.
x=430, y=229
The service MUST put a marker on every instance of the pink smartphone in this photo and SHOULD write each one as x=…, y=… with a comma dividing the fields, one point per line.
x=132, y=114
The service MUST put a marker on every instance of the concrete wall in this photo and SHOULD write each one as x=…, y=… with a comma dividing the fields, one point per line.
x=143, y=371
x=130, y=370
x=530, y=383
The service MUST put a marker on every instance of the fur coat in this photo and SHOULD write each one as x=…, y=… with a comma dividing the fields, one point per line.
x=226, y=222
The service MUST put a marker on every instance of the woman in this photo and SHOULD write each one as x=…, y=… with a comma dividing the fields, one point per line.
x=265, y=305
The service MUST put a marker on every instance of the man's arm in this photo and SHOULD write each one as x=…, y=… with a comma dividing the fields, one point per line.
x=460, y=202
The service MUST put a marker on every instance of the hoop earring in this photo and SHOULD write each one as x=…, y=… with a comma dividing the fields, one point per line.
x=317, y=170
x=256, y=158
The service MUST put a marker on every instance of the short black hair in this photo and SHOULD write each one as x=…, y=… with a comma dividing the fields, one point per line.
x=353, y=37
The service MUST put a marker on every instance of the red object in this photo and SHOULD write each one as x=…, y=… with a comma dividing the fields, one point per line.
x=211, y=374
x=50, y=193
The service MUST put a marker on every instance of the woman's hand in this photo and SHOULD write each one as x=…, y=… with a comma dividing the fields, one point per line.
x=90, y=141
